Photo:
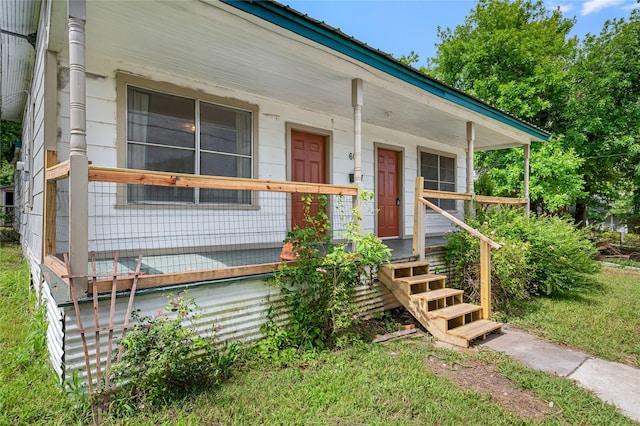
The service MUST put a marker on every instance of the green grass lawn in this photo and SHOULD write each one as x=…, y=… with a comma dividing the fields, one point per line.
x=29, y=392
x=604, y=322
x=624, y=262
x=376, y=384
x=391, y=383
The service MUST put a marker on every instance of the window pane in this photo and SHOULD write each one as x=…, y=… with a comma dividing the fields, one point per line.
x=225, y=165
x=159, y=118
x=225, y=196
x=225, y=129
x=429, y=166
x=447, y=187
x=139, y=194
x=147, y=157
x=161, y=159
x=448, y=204
x=430, y=184
x=447, y=169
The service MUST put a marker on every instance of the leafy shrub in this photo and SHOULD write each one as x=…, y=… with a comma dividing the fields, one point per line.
x=610, y=237
x=632, y=240
x=540, y=256
x=163, y=360
x=319, y=288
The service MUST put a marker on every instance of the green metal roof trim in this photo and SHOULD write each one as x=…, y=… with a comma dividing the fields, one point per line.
x=300, y=24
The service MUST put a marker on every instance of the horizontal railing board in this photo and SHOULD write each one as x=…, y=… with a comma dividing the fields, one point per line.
x=146, y=177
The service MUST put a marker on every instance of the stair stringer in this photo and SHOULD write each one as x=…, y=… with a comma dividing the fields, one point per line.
x=419, y=309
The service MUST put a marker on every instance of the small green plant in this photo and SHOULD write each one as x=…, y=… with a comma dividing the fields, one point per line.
x=164, y=358
x=319, y=288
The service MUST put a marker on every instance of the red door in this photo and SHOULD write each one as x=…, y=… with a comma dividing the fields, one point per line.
x=388, y=197
x=307, y=165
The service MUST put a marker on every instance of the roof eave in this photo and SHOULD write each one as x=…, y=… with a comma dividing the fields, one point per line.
x=302, y=25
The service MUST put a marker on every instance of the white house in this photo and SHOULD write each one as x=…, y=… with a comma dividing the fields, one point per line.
x=251, y=90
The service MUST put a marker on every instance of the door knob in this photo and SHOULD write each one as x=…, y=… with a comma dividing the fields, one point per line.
x=397, y=201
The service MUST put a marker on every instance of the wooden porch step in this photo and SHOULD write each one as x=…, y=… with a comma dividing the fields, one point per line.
x=405, y=269
x=404, y=265
x=454, y=311
x=424, y=278
x=476, y=329
x=428, y=296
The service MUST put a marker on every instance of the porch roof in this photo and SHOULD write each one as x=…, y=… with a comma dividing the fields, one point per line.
x=18, y=25
x=333, y=38
x=273, y=51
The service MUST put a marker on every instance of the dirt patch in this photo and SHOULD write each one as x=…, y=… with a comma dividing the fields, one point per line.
x=480, y=376
x=483, y=377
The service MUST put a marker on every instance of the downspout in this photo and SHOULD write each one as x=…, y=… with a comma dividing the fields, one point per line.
x=78, y=161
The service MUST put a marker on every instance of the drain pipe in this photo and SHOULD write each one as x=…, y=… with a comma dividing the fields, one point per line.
x=78, y=161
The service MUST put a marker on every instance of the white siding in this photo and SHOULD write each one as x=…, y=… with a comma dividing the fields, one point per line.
x=31, y=217
x=271, y=155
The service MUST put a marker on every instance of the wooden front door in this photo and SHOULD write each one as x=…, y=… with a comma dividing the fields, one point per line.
x=388, y=194
x=308, y=153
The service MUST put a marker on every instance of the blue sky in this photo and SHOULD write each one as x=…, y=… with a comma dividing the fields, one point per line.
x=397, y=27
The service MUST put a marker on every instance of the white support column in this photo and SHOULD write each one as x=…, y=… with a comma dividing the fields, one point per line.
x=356, y=102
x=527, y=154
x=78, y=161
x=471, y=140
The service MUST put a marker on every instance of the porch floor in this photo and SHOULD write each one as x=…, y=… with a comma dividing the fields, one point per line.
x=180, y=262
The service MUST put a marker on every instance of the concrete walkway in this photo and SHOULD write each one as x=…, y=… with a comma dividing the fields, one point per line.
x=613, y=382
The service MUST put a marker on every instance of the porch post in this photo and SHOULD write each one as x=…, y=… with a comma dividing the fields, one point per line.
x=527, y=152
x=78, y=161
x=356, y=102
x=471, y=139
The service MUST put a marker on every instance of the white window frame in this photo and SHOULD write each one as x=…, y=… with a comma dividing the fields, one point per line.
x=125, y=81
x=440, y=181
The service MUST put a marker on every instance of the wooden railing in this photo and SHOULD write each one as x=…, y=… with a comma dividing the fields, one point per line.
x=485, y=242
x=465, y=196
x=56, y=171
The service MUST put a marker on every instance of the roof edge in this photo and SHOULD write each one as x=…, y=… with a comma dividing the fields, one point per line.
x=292, y=20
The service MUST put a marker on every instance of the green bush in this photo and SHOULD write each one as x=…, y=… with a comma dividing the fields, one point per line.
x=610, y=237
x=319, y=288
x=540, y=256
x=163, y=360
x=632, y=239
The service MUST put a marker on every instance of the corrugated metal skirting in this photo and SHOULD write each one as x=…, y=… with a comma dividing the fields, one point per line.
x=238, y=308
x=55, y=322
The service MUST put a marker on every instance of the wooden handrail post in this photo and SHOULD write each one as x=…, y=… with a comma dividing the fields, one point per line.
x=50, y=207
x=418, y=221
x=485, y=279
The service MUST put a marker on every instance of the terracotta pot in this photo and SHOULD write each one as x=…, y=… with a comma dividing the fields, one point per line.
x=288, y=253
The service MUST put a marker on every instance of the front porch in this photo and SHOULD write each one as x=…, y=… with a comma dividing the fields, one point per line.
x=178, y=243
x=224, y=255
x=181, y=243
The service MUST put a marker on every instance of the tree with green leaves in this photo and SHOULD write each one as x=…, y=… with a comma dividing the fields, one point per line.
x=10, y=132
x=516, y=56
x=602, y=119
x=555, y=181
